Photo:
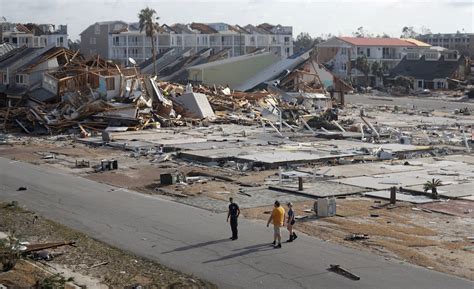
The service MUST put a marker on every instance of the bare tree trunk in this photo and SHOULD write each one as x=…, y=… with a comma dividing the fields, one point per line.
x=154, y=53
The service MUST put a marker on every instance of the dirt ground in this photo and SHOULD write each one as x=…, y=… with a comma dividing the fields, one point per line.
x=432, y=240
x=122, y=269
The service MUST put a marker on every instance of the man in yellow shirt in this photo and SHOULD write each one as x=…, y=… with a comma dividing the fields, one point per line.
x=277, y=218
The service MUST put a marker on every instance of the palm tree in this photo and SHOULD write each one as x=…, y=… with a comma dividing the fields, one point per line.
x=433, y=187
x=147, y=22
x=362, y=64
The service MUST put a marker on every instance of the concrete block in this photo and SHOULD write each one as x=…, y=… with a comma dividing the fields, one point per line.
x=197, y=103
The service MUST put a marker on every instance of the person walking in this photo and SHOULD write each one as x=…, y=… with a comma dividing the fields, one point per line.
x=277, y=218
x=233, y=215
x=290, y=222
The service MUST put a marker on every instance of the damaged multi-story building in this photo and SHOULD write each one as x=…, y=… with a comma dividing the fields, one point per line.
x=120, y=41
x=33, y=35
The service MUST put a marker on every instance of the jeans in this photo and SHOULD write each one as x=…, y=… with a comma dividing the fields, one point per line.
x=233, y=226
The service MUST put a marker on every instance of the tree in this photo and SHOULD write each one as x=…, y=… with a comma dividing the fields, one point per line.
x=425, y=30
x=362, y=64
x=74, y=45
x=378, y=69
x=383, y=35
x=304, y=41
x=433, y=187
x=361, y=32
x=409, y=32
x=147, y=22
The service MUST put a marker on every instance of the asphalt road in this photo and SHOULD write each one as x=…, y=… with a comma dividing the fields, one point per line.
x=421, y=102
x=195, y=241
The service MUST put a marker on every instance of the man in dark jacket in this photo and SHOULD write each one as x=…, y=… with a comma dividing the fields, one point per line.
x=233, y=215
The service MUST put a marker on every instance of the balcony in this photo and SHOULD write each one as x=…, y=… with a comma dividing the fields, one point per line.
x=391, y=56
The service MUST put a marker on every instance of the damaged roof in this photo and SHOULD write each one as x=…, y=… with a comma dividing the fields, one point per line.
x=426, y=69
x=203, y=28
x=378, y=41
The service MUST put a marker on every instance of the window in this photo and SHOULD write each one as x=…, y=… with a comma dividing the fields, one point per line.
x=412, y=55
x=116, y=41
x=20, y=79
x=92, y=40
x=97, y=29
x=431, y=55
x=110, y=83
x=5, y=79
x=59, y=41
x=368, y=52
x=287, y=39
x=343, y=51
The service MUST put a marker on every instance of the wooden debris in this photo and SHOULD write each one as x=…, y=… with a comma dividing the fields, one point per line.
x=346, y=273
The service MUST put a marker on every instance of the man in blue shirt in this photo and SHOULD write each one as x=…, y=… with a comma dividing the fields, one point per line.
x=233, y=215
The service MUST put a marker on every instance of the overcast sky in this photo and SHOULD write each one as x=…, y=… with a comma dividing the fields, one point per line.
x=316, y=17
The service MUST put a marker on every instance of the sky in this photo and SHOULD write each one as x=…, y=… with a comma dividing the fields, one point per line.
x=317, y=17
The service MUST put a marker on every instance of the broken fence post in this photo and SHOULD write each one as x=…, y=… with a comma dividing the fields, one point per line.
x=393, y=195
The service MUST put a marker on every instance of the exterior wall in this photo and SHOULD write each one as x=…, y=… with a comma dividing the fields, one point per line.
x=49, y=83
x=93, y=43
x=36, y=75
x=340, y=55
x=232, y=73
x=21, y=39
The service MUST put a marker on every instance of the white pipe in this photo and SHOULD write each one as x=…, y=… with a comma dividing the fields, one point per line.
x=465, y=141
x=338, y=125
x=274, y=127
x=307, y=126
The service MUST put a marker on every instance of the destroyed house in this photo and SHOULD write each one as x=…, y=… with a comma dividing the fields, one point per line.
x=432, y=70
x=22, y=69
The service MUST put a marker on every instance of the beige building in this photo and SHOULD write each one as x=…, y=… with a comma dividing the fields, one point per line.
x=232, y=71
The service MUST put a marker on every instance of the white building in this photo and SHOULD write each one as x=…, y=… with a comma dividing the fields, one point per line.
x=120, y=41
x=340, y=53
x=33, y=35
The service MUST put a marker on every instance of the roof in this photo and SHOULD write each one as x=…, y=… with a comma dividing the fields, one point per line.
x=11, y=57
x=230, y=60
x=6, y=47
x=53, y=52
x=365, y=41
x=426, y=69
x=203, y=28
x=417, y=42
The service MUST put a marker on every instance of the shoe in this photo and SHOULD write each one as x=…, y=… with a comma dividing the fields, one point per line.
x=294, y=236
x=233, y=239
x=277, y=246
x=289, y=240
x=273, y=243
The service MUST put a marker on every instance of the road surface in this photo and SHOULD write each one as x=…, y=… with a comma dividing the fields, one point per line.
x=195, y=241
x=421, y=102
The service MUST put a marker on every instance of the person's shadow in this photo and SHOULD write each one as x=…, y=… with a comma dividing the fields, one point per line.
x=246, y=251
x=199, y=245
